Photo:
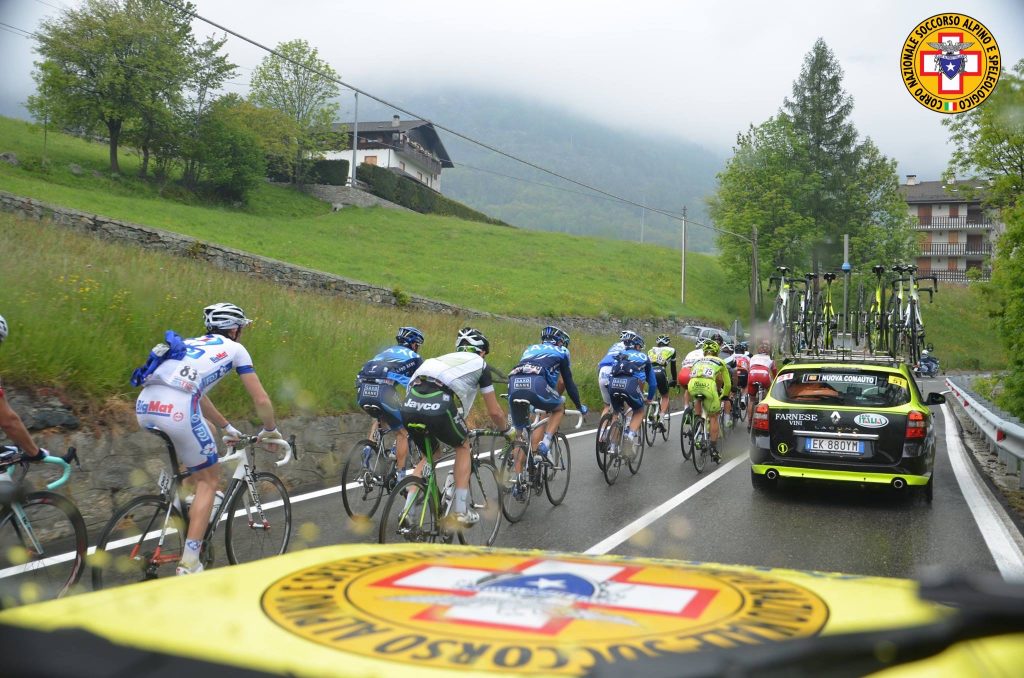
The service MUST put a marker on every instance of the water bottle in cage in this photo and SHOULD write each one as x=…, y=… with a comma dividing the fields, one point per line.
x=218, y=499
x=393, y=452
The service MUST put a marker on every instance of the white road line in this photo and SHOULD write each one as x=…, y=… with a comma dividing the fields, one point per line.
x=1000, y=535
x=607, y=544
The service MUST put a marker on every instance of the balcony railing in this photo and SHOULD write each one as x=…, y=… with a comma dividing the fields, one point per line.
x=973, y=223
x=955, y=277
x=983, y=249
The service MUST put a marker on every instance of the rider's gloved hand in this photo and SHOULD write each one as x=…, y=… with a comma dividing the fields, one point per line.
x=584, y=409
x=232, y=434
x=509, y=434
x=43, y=454
x=272, y=434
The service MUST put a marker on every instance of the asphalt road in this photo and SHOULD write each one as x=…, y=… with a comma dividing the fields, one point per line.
x=667, y=510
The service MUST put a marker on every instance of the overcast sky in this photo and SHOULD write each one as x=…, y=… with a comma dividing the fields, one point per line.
x=700, y=70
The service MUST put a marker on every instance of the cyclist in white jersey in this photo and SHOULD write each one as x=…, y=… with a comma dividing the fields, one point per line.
x=174, y=401
x=440, y=396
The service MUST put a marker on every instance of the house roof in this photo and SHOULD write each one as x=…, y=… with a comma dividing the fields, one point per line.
x=940, y=191
x=422, y=130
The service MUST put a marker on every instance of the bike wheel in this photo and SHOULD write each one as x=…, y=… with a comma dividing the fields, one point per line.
x=700, y=445
x=685, y=439
x=638, y=456
x=557, y=475
x=485, y=498
x=650, y=425
x=604, y=429
x=44, y=557
x=363, y=484
x=515, y=487
x=408, y=516
x=612, y=462
x=128, y=550
x=258, y=531
x=668, y=423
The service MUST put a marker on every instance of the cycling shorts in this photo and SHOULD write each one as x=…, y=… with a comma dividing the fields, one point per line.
x=536, y=391
x=604, y=374
x=433, y=411
x=626, y=391
x=703, y=386
x=758, y=376
x=661, y=378
x=384, y=397
x=684, y=377
x=177, y=414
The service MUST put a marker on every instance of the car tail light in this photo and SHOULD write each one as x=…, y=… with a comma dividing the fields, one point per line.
x=917, y=425
x=761, y=417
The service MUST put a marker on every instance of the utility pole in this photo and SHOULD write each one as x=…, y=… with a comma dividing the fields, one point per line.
x=355, y=138
x=682, y=265
x=643, y=220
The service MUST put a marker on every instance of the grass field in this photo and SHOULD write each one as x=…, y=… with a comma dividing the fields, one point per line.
x=83, y=313
x=508, y=271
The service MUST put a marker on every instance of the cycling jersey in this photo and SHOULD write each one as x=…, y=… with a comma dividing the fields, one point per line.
x=464, y=372
x=635, y=364
x=684, y=371
x=207, y=360
x=549, y=361
x=704, y=381
x=609, y=357
x=664, y=356
x=762, y=371
x=395, y=364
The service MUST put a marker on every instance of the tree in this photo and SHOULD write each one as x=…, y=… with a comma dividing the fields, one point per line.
x=229, y=158
x=210, y=69
x=300, y=85
x=112, y=64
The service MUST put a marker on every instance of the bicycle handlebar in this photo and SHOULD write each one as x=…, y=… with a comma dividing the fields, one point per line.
x=250, y=441
x=64, y=462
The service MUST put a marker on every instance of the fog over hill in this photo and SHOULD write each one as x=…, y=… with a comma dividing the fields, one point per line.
x=650, y=166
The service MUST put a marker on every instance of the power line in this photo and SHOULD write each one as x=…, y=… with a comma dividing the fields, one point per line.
x=338, y=81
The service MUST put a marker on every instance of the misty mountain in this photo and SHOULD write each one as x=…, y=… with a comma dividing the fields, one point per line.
x=643, y=164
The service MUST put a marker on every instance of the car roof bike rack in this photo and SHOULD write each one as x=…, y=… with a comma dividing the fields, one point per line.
x=841, y=356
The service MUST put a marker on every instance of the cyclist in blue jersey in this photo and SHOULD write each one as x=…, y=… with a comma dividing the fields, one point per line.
x=541, y=376
x=376, y=392
x=604, y=369
x=632, y=367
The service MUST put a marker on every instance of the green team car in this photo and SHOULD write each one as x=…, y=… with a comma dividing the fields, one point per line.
x=845, y=419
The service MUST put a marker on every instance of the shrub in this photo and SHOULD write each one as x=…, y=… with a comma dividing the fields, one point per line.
x=407, y=192
x=330, y=172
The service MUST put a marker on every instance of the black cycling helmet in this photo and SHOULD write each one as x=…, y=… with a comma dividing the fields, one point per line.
x=471, y=339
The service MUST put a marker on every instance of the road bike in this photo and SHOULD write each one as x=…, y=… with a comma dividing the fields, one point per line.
x=371, y=469
x=780, y=319
x=550, y=475
x=610, y=448
x=653, y=423
x=911, y=325
x=145, y=538
x=875, y=326
x=700, y=442
x=419, y=511
x=43, y=539
x=805, y=328
x=825, y=316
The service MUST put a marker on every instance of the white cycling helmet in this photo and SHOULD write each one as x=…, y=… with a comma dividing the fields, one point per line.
x=3, y=328
x=471, y=339
x=924, y=353
x=224, y=316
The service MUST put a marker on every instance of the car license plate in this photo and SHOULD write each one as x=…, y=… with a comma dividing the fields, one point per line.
x=371, y=390
x=834, y=446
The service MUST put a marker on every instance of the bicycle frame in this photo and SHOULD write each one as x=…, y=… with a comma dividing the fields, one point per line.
x=18, y=510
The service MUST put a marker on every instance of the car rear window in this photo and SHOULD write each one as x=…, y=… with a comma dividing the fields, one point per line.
x=690, y=330
x=854, y=387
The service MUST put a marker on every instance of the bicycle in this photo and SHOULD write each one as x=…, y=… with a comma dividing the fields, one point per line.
x=779, y=320
x=876, y=329
x=153, y=527
x=43, y=539
x=653, y=423
x=418, y=511
x=552, y=475
x=700, y=443
x=610, y=432
x=911, y=324
x=686, y=432
x=826, y=317
x=370, y=470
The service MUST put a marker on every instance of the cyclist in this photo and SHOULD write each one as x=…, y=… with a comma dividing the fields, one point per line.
x=738, y=365
x=683, y=379
x=540, y=377
x=12, y=425
x=376, y=392
x=762, y=370
x=663, y=356
x=440, y=396
x=632, y=368
x=709, y=377
x=604, y=369
x=174, y=400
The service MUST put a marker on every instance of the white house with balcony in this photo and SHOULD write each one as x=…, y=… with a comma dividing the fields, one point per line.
x=955, y=233
x=409, y=147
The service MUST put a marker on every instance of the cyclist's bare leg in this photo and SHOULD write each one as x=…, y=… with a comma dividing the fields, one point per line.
x=636, y=420
x=373, y=429
x=713, y=418
x=401, y=448
x=206, y=482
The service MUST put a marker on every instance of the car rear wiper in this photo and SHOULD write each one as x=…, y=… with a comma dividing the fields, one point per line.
x=984, y=605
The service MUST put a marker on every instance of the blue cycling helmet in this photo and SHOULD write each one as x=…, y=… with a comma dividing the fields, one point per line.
x=407, y=336
x=632, y=340
x=552, y=334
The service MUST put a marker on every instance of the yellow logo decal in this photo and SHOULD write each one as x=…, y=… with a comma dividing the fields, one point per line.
x=489, y=611
x=783, y=448
x=950, y=63
x=899, y=381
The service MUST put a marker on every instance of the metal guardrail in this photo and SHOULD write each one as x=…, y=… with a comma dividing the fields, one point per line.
x=1005, y=437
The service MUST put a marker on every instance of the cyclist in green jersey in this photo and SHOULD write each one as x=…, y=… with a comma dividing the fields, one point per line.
x=709, y=377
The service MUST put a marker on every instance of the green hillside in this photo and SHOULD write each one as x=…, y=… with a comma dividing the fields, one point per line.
x=508, y=271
